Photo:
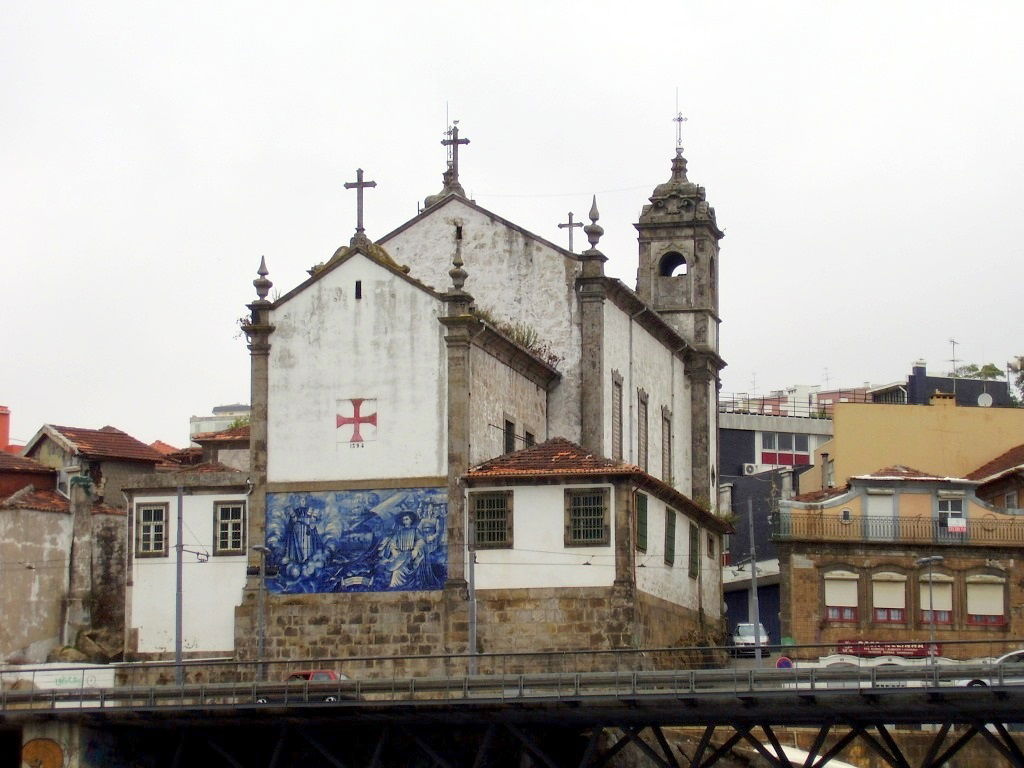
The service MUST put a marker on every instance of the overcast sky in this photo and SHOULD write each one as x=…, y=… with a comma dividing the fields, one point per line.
x=866, y=160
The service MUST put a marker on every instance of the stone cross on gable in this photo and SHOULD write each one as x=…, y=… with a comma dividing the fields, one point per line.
x=454, y=142
x=359, y=185
x=571, y=225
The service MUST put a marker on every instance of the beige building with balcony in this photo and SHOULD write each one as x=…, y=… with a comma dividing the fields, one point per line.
x=854, y=565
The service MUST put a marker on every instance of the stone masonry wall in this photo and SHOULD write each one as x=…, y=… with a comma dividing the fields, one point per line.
x=802, y=596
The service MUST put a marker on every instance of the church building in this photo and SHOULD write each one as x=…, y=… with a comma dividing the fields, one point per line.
x=465, y=438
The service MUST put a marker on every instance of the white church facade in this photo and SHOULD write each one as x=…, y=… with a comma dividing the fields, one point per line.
x=466, y=438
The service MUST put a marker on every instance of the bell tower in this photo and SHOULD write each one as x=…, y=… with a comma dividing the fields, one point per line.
x=678, y=270
x=678, y=278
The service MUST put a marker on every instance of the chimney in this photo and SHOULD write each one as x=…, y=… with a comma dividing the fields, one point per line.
x=824, y=471
x=786, y=491
x=943, y=399
x=5, y=428
x=917, y=384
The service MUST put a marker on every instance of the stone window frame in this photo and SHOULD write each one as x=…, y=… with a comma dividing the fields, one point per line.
x=575, y=519
x=504, y=526
x=232, y=527
x=616, y=416
x=670, y=536
x=666, y=445
x=642, y=430
x=641, y=522
x=945, y=617
x=694, y=568
x=508, y=434
x=147, y=529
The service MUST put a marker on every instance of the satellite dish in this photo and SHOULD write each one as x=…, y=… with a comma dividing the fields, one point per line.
x=985, y=400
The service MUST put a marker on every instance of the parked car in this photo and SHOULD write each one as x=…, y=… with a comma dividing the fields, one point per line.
x=315, y=686
x=744, y=641
x=1008, y=669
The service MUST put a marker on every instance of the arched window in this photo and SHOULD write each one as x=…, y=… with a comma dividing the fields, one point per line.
x=673, y=264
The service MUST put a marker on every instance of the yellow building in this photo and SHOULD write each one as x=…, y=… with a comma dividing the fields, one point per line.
x=941, y=439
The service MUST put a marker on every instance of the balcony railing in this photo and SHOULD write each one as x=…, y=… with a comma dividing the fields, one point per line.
x=810, y=525
x=784, y=405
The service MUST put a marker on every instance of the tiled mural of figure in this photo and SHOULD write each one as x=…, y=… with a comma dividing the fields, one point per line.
x=357, y=541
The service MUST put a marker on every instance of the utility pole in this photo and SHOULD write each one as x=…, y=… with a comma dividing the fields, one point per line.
x=753, y=608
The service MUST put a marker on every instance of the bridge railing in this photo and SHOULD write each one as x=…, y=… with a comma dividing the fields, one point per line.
x=562, y=675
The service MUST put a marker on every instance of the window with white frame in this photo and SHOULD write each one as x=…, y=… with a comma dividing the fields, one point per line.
x=151, y=530
x=785, y=449
x=229, y=528
x=492, y=519
x=951, y=522
x=841, y=598
x=935, y=597
x=586, y=517
x=888, y=598
x=986, y=600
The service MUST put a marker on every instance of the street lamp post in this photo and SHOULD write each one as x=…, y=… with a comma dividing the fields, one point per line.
x=930, y=561
x=261, y=610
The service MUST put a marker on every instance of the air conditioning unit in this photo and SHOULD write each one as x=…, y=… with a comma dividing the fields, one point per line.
x=750, y=469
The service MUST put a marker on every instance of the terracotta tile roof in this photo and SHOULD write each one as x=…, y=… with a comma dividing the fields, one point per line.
x=11, y=463
x=557, y=456
x=1012, y=459
x=191, y=455
x=561, y=458
x=236, y=434
x=44, y=501
x=900, y=472
x=162, y=448
x=812, y=497
x=105, y=509
x=208, y=466
x=107, y=443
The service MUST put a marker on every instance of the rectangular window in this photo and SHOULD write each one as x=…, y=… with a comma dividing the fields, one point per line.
x=492, y=518
x=641, y=430
x=670, y=536
x=951, y=522
x=888, y=600
x=841, y=599
x=985, y=603
x=586, y=517
x=529, y=440
x=229, y=525
x=616, y=417
x=641, y=522
x=151, y=530
x=1011, y=500
x=510, y=436
x=666, y=446
x=938, y=596
x=694, y=551
x=785, y=449
x=711, y=548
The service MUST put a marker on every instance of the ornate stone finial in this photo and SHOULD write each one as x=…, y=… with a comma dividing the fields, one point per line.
x=261, y=284
x=457, y=273
x=593, y=230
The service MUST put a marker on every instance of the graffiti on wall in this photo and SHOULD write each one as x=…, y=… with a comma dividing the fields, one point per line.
x=357, y=541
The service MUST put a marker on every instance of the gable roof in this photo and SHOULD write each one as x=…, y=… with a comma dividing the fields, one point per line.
x=453, y=197
x=11, y=463
x=371, y=251
x=162, y=448
x=561, y=459
x=1003, y=464
x=107, y=443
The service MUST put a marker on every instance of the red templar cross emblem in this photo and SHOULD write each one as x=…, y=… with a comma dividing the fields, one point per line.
x=357, y=419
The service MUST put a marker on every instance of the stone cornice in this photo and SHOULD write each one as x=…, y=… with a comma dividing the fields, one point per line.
x=190, y=481
x=518, y=358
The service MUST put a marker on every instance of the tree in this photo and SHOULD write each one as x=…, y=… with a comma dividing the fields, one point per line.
x=1016, y=368
x=986, y=371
